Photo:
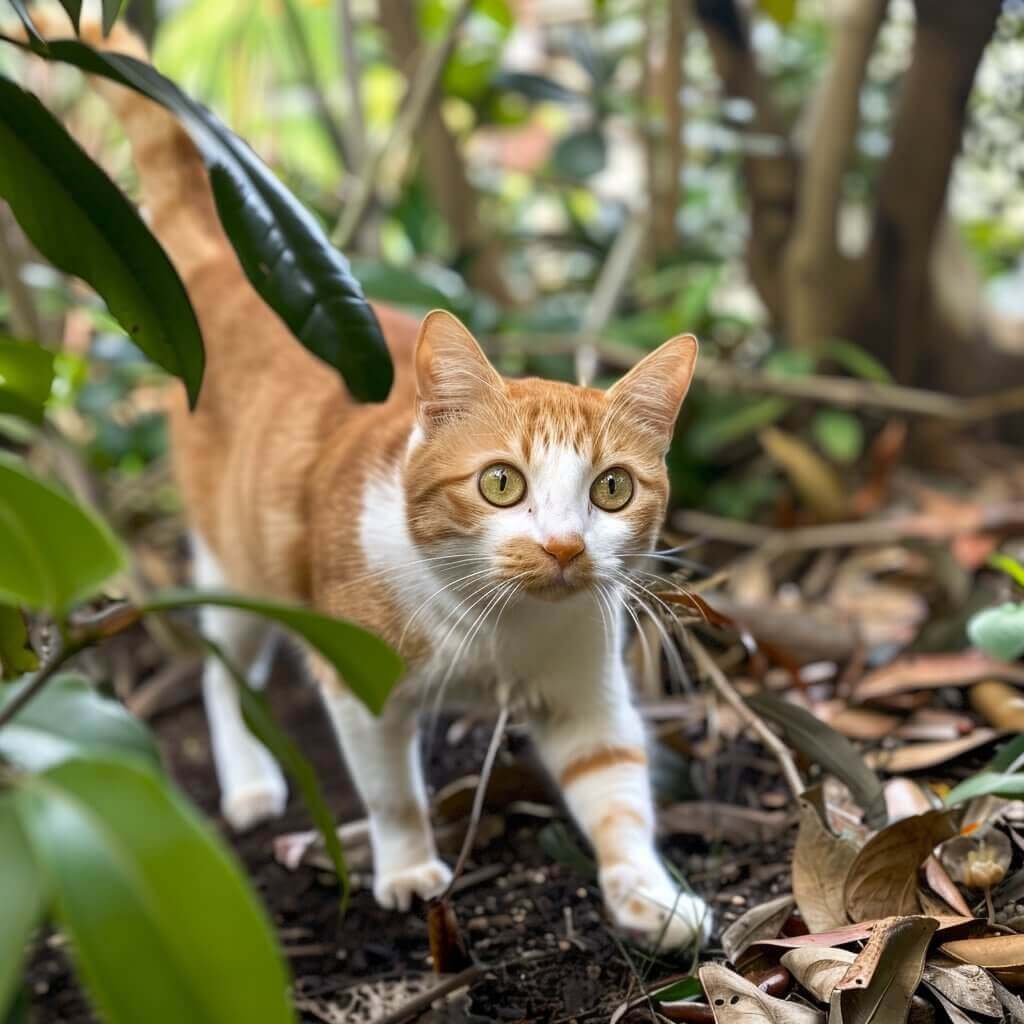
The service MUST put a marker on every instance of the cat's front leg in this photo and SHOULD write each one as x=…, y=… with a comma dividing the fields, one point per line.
x=595, y=749
x=382, y=755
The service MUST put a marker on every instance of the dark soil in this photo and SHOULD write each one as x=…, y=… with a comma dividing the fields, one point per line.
x=538, y=920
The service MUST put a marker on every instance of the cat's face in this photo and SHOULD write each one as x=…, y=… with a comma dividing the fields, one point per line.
x=539, y=487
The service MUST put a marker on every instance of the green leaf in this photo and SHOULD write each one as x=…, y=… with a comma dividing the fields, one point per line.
x=54, y=552
x=74, y=12
x=1010, y=566
x=68, y=719
x=16, y=654
x=282, y=248
x=711, y=433
x=678, y=991
x=581, y=154
x=79, y=220
x=1007, y=755
x=163, y=926
x=368, y=666
x=838, y=434
x=36, y=41
x=999, y=631
x=855, y=360
x=22, y=897
x=988, y=784
x=826, y=747
x=26, y=376
x=782, y=12
x=301, y=772
x=111, y=10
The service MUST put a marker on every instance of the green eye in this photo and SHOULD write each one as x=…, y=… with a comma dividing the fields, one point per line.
x=502, y=485
x=612, y=490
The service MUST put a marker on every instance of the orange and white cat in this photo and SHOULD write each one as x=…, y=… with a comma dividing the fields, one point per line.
x=483, y=526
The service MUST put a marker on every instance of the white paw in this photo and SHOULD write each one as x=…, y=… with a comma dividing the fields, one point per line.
x=650, y=907
x=395, y=889
x=255, y=800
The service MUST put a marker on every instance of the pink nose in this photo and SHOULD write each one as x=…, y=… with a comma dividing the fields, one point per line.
x=564, y=549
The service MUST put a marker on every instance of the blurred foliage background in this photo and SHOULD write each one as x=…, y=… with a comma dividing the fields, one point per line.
x=811, y=186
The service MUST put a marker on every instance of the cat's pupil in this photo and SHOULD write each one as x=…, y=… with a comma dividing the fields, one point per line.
x=502, y=481
x=611, y=486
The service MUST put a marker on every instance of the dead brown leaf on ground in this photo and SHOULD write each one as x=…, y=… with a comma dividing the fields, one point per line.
x=927, y=671
x=734, y=1000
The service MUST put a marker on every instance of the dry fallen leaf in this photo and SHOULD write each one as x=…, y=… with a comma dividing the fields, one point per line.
x=1000, y=705
x=995, y=952
x=812, y=477
x=761, y=922
x=883, y=877
x=821, y=862
x=979, y=860
x=915, y=757
x=856, y=723
x=930, y=671
x=734, y=1000
x=879, y=986
x=966, y=985
x=818, y=969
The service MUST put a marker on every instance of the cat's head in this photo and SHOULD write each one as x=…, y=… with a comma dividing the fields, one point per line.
x=537, y=483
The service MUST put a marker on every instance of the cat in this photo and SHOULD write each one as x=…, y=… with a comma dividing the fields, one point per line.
x=484, y=526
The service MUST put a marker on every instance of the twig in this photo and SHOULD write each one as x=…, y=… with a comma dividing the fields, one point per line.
x=24, y=316
x=61, y=657
x=478, y=799
x=608, y=289
x=323, y=112
x=842, y=392
x=728, y=693
x=151, y=696
x=414, y=108
x=422, y=1001
x=354, y=81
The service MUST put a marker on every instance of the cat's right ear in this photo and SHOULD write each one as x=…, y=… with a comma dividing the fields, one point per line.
x=452, y=372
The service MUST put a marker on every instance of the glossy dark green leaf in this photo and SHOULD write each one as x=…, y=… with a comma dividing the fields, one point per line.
x=580, y=155
x=111, y=11
x=826, y=747
x=53, y=552
x=368, y=666
x=1007, y=755
x=79, y=220
x=26, y=376
x=163, y=925
x=67, y=719
x=74, y=12
x=284, y=251
x=22, y=899
x=16, y=654
x=678, y=991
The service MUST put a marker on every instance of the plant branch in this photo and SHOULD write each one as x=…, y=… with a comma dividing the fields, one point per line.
x=414, y=108
x=327, y=121
x=354, y=81
x=62, y=656
x=708, y=667
x=25, y=319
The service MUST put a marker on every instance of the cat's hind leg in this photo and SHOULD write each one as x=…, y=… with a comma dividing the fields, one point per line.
x=382, y=755
x=252, y=787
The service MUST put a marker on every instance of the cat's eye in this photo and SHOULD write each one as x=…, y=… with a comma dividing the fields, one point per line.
x=612, y=489
x=502, y=485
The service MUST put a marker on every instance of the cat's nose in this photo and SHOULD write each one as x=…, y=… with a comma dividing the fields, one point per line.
x=564, y=549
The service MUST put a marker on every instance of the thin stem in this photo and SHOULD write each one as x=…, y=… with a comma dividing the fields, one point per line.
x=354, y=80
x=63, y=655
x=478, y=798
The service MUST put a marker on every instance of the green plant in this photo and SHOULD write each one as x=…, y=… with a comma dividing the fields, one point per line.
x=93, y=836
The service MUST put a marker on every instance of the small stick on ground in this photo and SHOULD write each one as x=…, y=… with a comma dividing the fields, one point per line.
x=708, y=667
x=478, y=799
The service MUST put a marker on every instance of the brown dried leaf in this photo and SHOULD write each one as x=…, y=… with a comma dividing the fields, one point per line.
x=880, y=983
x=761, y=922
x=996, y=952
x=818, y=970
x=883, y=876
x=734, y=1000
x=930, y=671
x=966, y=985
x=856, y=723
x=940, y=882
x=915, y=757
x=1000, y=705
x=821, y=862
x=812, y=477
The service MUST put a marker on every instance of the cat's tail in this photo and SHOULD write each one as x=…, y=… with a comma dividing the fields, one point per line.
x=176, y=192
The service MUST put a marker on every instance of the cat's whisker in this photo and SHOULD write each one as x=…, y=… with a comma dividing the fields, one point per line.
x=423, y=604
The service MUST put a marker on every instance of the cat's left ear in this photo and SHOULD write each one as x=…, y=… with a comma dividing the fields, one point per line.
x=652, y=392
x=452, y=373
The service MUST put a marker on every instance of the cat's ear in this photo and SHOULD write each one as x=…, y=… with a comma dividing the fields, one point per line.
x=652, y=392
x=452, y=372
